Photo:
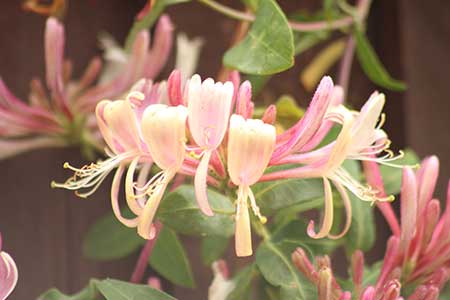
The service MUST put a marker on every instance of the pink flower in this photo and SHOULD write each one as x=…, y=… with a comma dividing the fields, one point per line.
x=64, y=114
x=8, y=273
x=250, y=146
x=209, y=107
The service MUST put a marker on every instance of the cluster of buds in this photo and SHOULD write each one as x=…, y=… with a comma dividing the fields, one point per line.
x=8, y=273
x=419, y=254
x=321, y=275
x=206, y=130
x=416, y=261
x=64, y=112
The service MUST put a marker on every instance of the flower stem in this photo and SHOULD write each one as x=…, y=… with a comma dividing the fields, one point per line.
x=146, y=251
x=296, y=26
x=346, y=65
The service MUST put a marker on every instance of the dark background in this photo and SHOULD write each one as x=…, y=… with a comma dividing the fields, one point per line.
x=43, y=228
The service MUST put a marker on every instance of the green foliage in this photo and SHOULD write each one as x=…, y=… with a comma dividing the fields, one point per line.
x=392, y=177
x=266, y=49
x=109, y=289
x=288, y=111
x=108, y=239
x=275, y=264
x=372, y=65
x=179, y=210
x=90, y=292
x=113, y=289
x=295, y=232
x=148, y=20
x=298, y=194
x=169, y=259
x=251, y=4
x=243, y=283
x=213, y=248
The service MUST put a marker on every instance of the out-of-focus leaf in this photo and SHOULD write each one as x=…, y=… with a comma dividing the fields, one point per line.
x=372, y=65
x=304, y=194
x=90, y=292
x=243, y=283
x=149, y=19
x=169, y=259
x=392, y=177
x=288, y=111
x=213, y=248
x=361, y=234
x=321, y=63
x=179, y=210
x=108, y=239
x=274, y=262
x=295, y=232
x=113, y=289
x=266, y=49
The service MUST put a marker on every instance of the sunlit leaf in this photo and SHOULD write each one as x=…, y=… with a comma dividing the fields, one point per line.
x=266, y=49
x=169, y=259
x=372, y=65
x=88, y=293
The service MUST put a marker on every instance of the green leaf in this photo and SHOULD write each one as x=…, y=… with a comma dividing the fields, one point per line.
x=119, y=290
x=361, y=234
x=88, y=293
x=288, y=111
x=179, y=210
x=298, y=194
x=169, y=259
x=295, y=232
x=372, y=65
x=148, y=20
x=243, y=283
x=108, y=239
x=274, y=262
x=213, y=248
x=392, y=177
x=266, y=49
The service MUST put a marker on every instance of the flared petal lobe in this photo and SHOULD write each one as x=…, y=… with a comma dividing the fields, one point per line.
x=8, y=273
x=209, y=107
x=250, y=146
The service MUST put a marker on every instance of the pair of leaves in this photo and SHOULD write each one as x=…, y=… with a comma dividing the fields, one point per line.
x=109, y=289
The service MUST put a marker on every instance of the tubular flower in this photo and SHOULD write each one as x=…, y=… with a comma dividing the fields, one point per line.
x=419, y=255
x=163, y=129
x=209, y=106
x=63, y=114
x=250, y=146
x=8, y=273
x=361, y=138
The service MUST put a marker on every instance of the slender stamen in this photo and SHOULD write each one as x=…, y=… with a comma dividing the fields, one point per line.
x=255, y=207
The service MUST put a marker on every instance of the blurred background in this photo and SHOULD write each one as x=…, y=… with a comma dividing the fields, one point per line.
x=43, y=228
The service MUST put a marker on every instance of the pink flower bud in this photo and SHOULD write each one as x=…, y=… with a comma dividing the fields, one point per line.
x=174, y=88
x=408, y=207
x=304, y=265
x=270, y=114
x=8, y=273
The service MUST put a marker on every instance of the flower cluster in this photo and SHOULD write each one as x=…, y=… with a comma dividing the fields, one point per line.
x=63, y=113
x=416, y=261
x=8, y=273
x=205, y=130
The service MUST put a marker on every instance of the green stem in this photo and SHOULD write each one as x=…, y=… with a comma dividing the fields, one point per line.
x=260, y=229
x=296, y=26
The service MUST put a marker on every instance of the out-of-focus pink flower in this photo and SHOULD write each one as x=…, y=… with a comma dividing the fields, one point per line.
x=250, y=146
x=63, y=113
x=209, y=107
x=8, y=273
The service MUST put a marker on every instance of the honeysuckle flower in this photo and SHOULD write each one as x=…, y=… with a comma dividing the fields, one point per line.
x=209, y=106
x=221, y=285
x=419, y=255
x=361, y=138
x=188, y=53
x=64, y=114
x=8, y=273
x=250, y=146
x=163, y=129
